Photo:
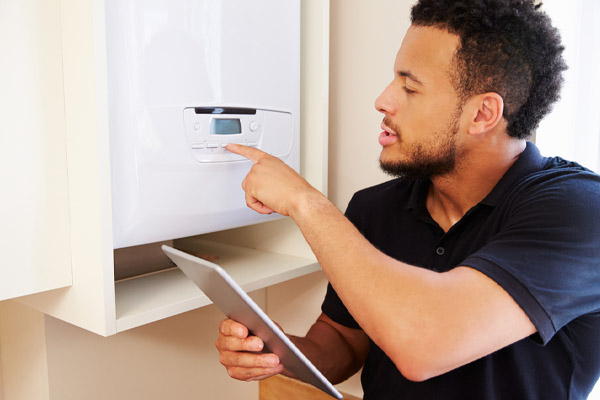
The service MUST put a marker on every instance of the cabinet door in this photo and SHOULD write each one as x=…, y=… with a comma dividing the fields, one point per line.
x=34, y=199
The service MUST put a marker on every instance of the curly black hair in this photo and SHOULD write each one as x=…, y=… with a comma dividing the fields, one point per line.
x=506, y=46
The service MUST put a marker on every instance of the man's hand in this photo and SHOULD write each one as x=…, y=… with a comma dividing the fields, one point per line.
x=271, y=185
x=241, y=354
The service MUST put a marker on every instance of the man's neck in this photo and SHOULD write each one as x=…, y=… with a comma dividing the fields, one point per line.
x=452, y=195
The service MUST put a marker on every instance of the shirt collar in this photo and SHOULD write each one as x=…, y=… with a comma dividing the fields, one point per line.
x=418, y=195
x=529, y=161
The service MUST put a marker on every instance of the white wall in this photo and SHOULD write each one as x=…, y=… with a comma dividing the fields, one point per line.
x=365, y=36
x=23, y=350
x=171, y=359
x=572, y=130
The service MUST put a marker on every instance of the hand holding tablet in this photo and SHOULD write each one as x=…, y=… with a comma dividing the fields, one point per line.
x=229, y=297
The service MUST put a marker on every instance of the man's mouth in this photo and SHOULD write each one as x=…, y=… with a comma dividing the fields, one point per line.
x=388, y=136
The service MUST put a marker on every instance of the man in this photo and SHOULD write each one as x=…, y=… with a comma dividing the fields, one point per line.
x=476, y=273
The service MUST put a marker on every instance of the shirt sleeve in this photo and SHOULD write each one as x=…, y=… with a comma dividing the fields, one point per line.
x=547, y=254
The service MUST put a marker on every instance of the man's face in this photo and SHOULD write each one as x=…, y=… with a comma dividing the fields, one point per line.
x=422, y=112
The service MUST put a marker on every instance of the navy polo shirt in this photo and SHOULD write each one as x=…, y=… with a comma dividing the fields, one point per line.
x=537, y=234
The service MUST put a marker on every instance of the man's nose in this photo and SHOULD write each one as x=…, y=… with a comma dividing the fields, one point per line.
x=385, y=102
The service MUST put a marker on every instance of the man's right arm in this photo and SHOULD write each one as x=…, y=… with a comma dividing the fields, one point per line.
x=337, y=351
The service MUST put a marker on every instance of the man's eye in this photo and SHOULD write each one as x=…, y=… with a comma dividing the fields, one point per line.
x=407, y=90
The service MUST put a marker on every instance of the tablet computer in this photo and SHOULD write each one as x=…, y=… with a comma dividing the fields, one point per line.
x=231, y=299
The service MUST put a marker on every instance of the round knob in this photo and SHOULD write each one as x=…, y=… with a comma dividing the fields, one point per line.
x=254, y=126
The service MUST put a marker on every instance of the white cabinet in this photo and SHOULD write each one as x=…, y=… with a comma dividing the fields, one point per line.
x=34, y=216
x=258, y=255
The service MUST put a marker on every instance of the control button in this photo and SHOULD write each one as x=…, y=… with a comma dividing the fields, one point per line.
x=196, y=146
x=440, y=251
x=197, y=126
x=212, y=145
x=252, y=143
x=223, y=145
x=254, y=126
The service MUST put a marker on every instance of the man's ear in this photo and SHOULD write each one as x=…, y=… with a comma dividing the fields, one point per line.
x=488, y=112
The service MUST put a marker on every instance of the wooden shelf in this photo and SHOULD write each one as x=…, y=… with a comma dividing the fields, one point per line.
x=159, y=295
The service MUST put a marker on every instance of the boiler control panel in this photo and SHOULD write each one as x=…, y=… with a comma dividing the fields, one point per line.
x=209, y=129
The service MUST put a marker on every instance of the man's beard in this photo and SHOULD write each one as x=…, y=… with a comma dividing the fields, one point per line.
x=425, y=163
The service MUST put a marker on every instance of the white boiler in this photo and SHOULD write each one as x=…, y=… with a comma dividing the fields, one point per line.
x=186, y=77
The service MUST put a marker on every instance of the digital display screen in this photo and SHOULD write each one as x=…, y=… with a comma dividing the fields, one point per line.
x=225, y=126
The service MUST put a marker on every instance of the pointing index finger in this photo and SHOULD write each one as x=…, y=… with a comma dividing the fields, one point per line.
x=251, y=153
